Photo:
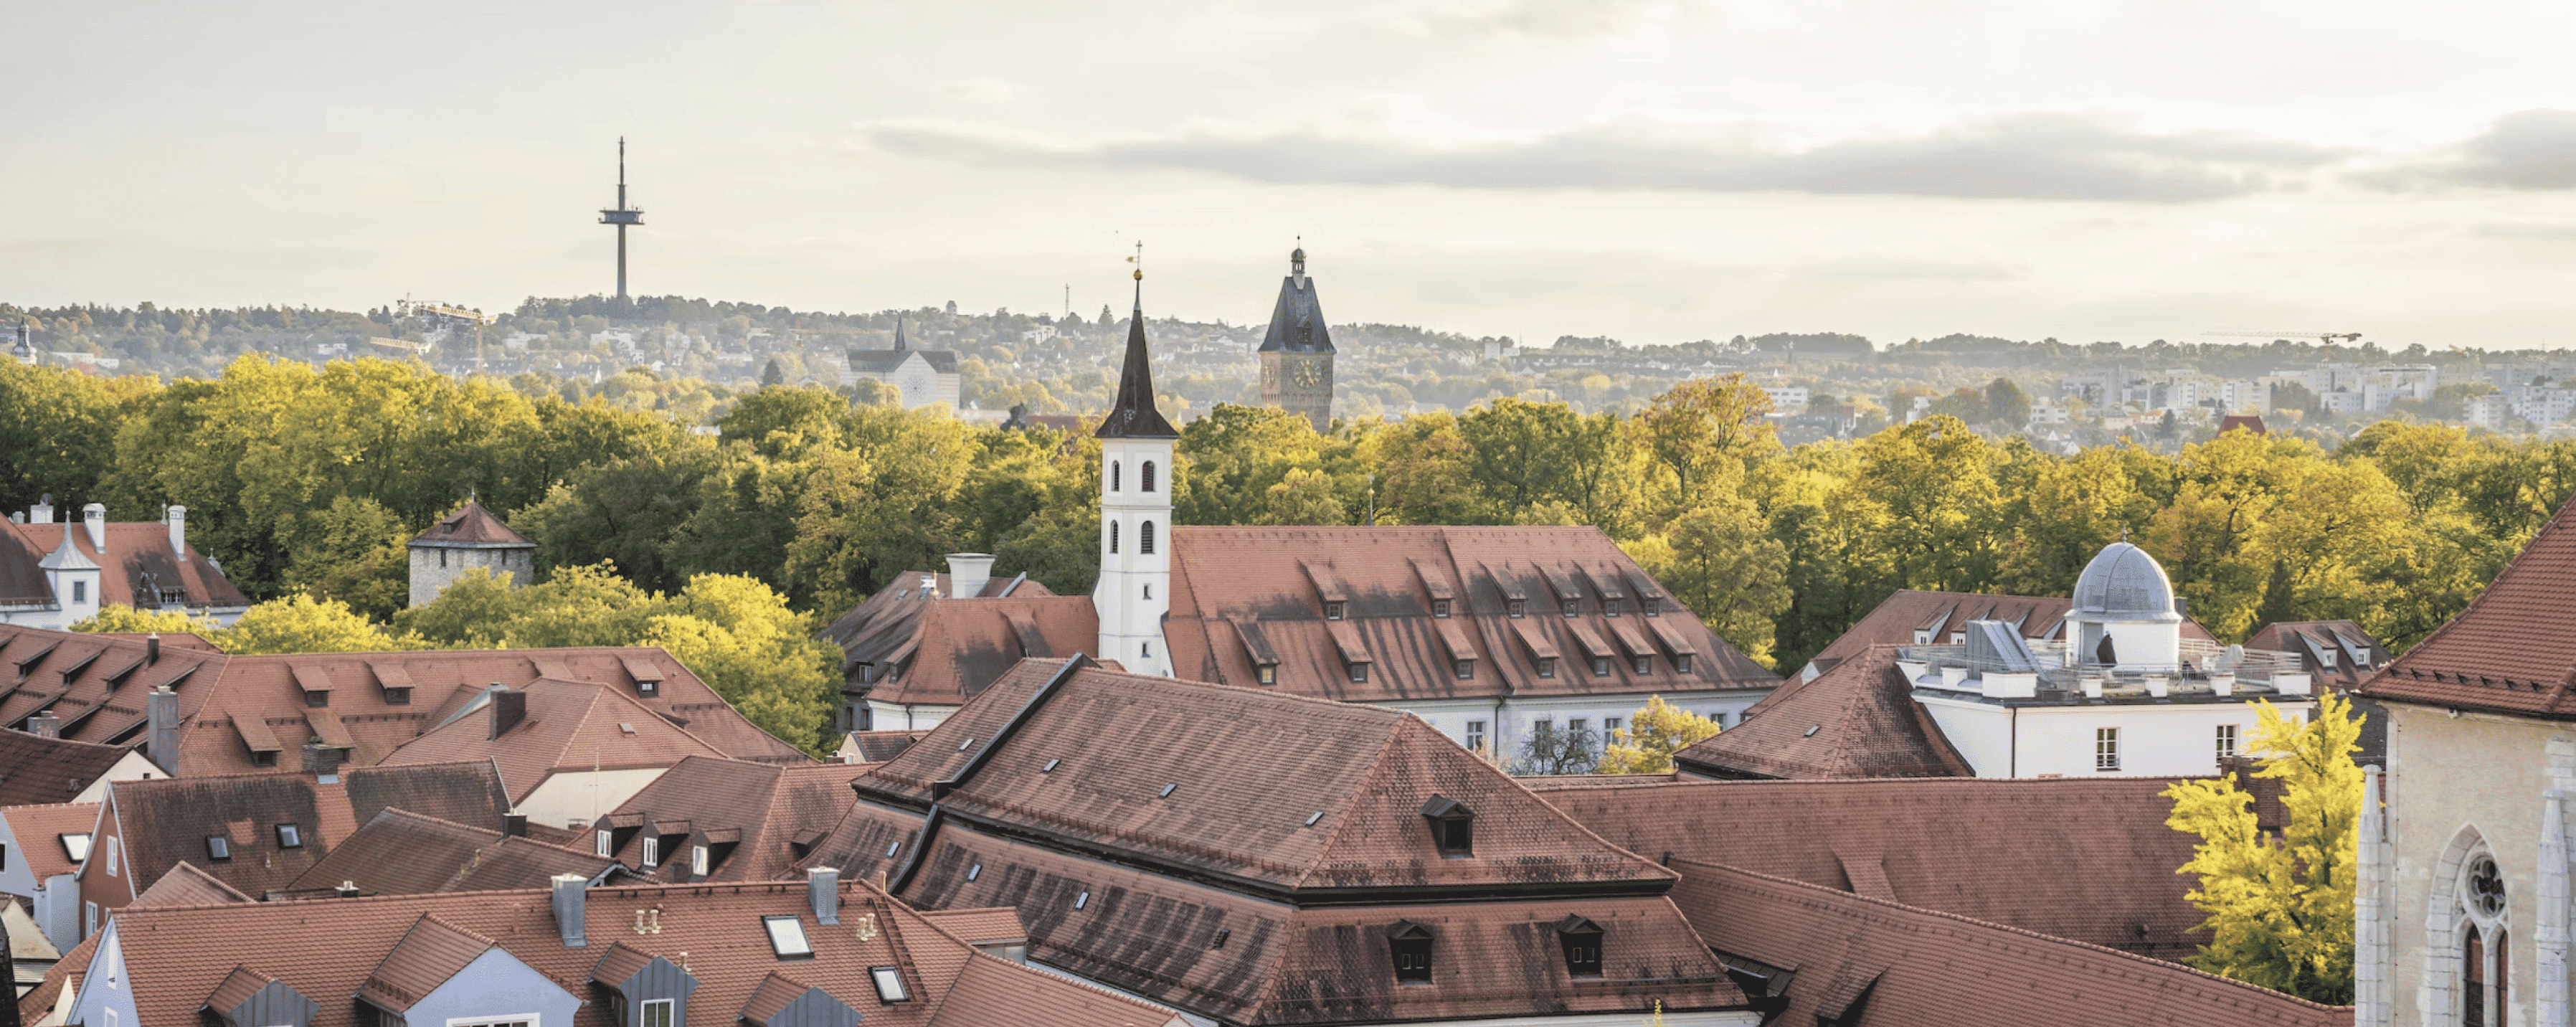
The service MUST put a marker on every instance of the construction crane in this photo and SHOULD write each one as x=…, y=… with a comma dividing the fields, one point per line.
x=2327, y=338
x=429, y=311
x=407, y=347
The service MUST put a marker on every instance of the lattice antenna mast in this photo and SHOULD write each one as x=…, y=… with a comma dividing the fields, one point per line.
x=622, y=216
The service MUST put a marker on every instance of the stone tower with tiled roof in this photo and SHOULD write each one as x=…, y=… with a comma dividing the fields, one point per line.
x=1297, y=352
x=1134, y=590
x=469, y=538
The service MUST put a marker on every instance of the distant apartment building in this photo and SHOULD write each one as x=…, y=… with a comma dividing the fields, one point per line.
x=1788, y=399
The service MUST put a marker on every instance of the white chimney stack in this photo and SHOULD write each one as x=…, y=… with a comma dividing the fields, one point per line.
x=94, y=516
x=43, y=511
x=179, y=532
x=968, y=573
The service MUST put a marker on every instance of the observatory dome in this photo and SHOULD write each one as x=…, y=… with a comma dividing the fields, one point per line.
x=2124, y=583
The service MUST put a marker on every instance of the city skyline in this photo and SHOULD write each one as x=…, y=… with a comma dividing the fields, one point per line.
x=1654, y=171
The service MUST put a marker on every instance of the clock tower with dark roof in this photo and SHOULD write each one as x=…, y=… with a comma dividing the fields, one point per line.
x=1297, y=354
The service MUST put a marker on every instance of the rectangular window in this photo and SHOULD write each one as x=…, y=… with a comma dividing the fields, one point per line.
x=1517, y=608
x=1645, y=665
x=1440, y=608
x=657, y=1012
x=397, y=697
x=316, y=698
x=76, y=846
x=1654, y=607
x=1681, y=663
x=889, y=982
x=1475, y=736
x=1609, y=727
x=1600, y=666
x=529, y=1020
x=698, y=860
x=1571, y=607
x=1268, y=672
x=1359, y=673
x=1609, y=607
x=1576, y=727
x=604, y=841
x=111, y=855
x=1332, y=611
x=2106, y=748
x=787, y=937
x=2226, y=740
x=652, y=852
x=219, y=848
x=289, y=836
x=89, y=919
x=1547, y=666
x=1466, y=669
x=80, y=591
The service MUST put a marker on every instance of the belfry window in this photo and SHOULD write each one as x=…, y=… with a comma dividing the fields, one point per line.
x=1114, y=475
x=1113, y=536
x=1145, y=477
x=1145, y=538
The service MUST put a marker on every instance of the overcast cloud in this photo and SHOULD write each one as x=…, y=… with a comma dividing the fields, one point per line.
x=1652, y=170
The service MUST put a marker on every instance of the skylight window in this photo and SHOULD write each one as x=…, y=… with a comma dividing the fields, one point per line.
x=1050, y=766
x=962, y=746
x=1313, y=817
x=787, y=937
x=892, y=846
x=219, y=848
x=889, y=982
x=1222, y=933
x=290, y=836
x=1082, y=900
x=1167, y=790
x=975, y=871
x=624, y=728
x=77, y=847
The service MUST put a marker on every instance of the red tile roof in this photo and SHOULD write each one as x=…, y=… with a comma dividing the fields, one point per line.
x=1241, y=798
x=36, y=770
x=137, y=568
x=2513, y=650
x=1223, y=577
x=187, y=885
x=1858, y=720
x=471, y=526
x=1935, y=844
x=224, y=698
x=176, y=957
x=990, y=991
x=946, y=651
x=776, y=813
x=166, y=821
x=570, y=726
x=40, y=830
x=1850, y=958
x=398, y=852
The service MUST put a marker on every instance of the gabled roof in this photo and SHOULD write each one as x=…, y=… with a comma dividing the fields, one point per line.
x=37, y=770
x=464, y=793
x=1335, y=811
x=471, y=527
x=882, y=361
x=1934, y=843
x=1132, y=414
x=136, y=567
x=970, y=642
x=40, y=831
x=176, y=957
x=2513, y=650
x=398, y=852
x=1858, y=720
x=1297, y=321
x=1226, y=577
x=224, y=698
x=570, y=725
x=1857, y=960
x=185, y=884
x=775, y=813
x=166, y=821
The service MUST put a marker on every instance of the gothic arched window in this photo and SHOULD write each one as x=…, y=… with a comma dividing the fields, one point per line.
x=1145, y=477
x=1113, y=536
x=1145, y=537
x=2486, y=946
x=1113, y=476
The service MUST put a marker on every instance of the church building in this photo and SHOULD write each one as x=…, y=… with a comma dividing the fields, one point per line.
x=924, y=377
x=1297, y=352
x=2461, y=918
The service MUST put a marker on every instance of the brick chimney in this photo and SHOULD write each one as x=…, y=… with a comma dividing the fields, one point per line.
x=94, y=517
x=509, y=709
x=163, y=745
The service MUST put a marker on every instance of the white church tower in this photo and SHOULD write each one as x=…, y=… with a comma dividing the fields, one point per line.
x=1135, y=514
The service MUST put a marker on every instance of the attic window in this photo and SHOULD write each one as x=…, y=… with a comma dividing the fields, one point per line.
x=648, y=687
x=787, y=937
x=1609, y=607
x=975, y=871
x=1050, y=766
x=1453, y=827
x=1410, y=944
x=1654, y=606
x=607, y=843
x=219, y=848
x=1546, y=666
x=263, y=758
x=1333, y=609
x=888, y=979
x=1573, y=607
x=1681, y=663
x=962, y=746
x=289, y=836
x=1359, y=673
x=652, y=853
x=1580, y=938
x=76, y=846
x=625, y=728
x=317, y=698
x=1222, y=933
x=1600, y=666
x=397, y=697
x=1516, y=607
x=1811, y=730
x=892, y=846
x=1645, y=665
x=1440, y=608
x=1082, y=900
x=1167, y=790
x=1466, y=670
x=1314, y=817
x=1267, y=673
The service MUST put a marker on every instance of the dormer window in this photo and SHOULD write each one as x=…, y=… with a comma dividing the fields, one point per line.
x=1466, y=670
x=316, y=698
x=1573, y=607
x=607, y=844
x=1453, y=827
x=1654, y=606
x=657, y=1012
x=652, y=853
x=1681, y=663
x=1645, y=665
x=1600, y=666
x=697, y=861
x=1516, y=607
x=397, y=697
x=1609, y=607
x=1440, y=608
x=1333, y=610
x=1546, y=666
x=1359, y=673
x=1409, y=944
x=1580, y=939
x=1267, y=673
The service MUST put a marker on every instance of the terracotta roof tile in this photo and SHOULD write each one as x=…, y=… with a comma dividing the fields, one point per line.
x=187, y=885
x=1276, y=579
x=40, y=830
x=1895, y=619
x=471, y=526
x=2513, y=650
x=980, y=926
x=38, y=771
x=1857, y=720
x=978, y=639
x=760, y=809
x=137, y=569
x=429, y=955
x=1895, y=964
x=570, y=725
x=989, y=992
x=463, y=793
x=1934, y=843
x=398, y=852
x=165, y=821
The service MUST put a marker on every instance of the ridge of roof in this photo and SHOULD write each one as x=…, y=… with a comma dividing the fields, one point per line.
x=471, y=525
x=2148, y=962
x=2498, y=638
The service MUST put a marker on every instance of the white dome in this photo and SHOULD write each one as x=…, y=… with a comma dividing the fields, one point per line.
x=2124, y=583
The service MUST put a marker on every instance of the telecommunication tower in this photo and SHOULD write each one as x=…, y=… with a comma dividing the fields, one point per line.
x=622, y=216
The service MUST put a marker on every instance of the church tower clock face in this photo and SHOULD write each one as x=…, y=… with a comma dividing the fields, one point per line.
x=1306, y=376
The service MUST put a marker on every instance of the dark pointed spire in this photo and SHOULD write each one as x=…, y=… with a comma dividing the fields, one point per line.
x=1131, y=413
x=1297, y=323
x=898, y=333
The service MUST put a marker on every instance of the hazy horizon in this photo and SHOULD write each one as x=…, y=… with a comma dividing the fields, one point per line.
x=1652, y=170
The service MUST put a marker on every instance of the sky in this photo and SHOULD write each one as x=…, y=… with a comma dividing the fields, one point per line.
x=1653, y=170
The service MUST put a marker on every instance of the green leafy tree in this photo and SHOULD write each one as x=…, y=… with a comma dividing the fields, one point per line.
x=2281, y=908
x=1703, y=431
x=1654, y=733
x=355, y=551
x=1304, y=497
x=300, y=623
x=1720, y=561
x=2006, y=404
x=120, y=618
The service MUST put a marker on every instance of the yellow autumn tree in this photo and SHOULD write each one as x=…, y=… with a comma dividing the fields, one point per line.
x=1653, y=735
x=2280, y=908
